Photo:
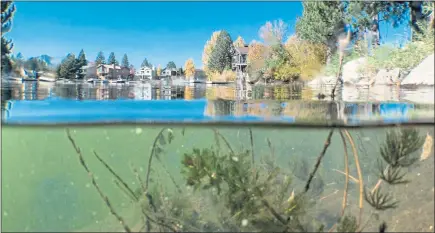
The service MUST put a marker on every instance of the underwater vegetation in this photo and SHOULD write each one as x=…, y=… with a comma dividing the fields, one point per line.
x=224, y=189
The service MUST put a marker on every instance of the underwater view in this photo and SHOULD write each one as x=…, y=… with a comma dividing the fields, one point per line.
x=298, y=116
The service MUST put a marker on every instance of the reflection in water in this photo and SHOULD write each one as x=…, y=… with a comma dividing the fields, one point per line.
x=148, y=91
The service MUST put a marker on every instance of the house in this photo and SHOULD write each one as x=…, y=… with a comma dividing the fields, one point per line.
x=240, y=59
x=112, y=71
x=146, y=72
x=89, y=71
x=168, y=72
x=200, y=75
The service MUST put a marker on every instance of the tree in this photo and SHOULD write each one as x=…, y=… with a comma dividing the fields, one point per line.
x=171, y=65
x=100, y=59
x=68, y=67
x=159, y=70
x=221, y=56
x=180, y=71
x=7, y=13
x=208, y=48
x=239, y=42
x=145, y=63
x=125, y=62
x=112, y=60
x=256, y=59
x=80, y=62
x=189, y=68
x=273, y=32
x=321, y=22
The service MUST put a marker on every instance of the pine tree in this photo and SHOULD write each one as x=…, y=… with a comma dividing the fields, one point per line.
x=100, y=59
x=125, y=62
x=80, y=62
x=7, y=13
x=221, y=56
x=171, y=65
x=68, y=67
x=145, y=63
x=112, y=60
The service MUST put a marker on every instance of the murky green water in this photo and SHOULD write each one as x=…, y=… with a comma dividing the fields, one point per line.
x=45, y=187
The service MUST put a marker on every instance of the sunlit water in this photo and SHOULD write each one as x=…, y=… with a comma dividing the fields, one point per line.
x=46, y=188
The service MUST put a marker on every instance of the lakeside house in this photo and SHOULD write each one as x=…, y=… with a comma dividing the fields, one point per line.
x=112, y=71
x=89, y=71
x=146, y=72
x=240, y=60
x=168, y=72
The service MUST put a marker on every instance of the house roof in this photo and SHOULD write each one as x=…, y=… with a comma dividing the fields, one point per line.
x=242, y=50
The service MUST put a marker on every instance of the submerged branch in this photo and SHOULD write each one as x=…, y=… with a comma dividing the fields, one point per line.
x=346, y=169
x=319, y=160
x=116, y=176
x=360, y=177
x=94, y=183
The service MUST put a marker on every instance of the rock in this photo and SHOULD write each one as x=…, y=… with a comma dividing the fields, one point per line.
x=322, y=80
x=351, y=70
x=423, y=74
x=385, y=77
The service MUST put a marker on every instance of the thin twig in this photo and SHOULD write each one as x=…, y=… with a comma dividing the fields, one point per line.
x=252, y=147
x=142, y=185
x=350, y=176
x=360, y=177
x=319, y=159
x=340, y=66
x=116, y=176
x=225, y=140
x=94, y=183
x=346, y=168
x=150, y=160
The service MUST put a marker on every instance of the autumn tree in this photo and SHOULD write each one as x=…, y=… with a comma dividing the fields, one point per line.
x=125, y=62
x=239, y=42
x=100, y=59
x=273, y=32
x=208, y=48
x=7, y=13
x=256, y=59
x=159, y=70
x=189, y=68
x=221, y=56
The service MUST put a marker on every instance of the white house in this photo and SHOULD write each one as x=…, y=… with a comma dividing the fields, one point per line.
x=146, y=72
x=169, y=72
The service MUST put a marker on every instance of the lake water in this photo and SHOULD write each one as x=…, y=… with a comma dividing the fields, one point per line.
x=193, y=165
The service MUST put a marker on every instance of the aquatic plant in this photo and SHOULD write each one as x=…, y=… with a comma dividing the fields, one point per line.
x=229, y=190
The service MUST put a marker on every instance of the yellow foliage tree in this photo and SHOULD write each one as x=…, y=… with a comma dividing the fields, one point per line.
x=239, y=42
x=159, y=70
x=256, y=59
x=189, y=68
x=208, y=48
x=306, y=59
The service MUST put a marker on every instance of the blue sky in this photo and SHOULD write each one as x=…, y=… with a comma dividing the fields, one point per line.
x=159, y=31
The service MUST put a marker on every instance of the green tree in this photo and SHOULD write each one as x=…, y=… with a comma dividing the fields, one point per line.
x=80, y=62
x=322, y=22
x=100, y=59
x=68, y=67
x=145, y=63
x=7, y=13
x=35, y=64
x=171, y=65
x=125, y=62
x=112, y=60
x=221, y=56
